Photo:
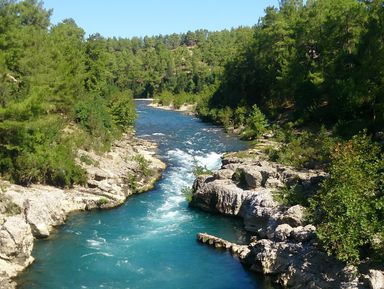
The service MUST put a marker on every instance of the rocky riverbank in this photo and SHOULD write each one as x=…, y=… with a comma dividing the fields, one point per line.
x=32, y=212
x=285, y=245
x=188, y=109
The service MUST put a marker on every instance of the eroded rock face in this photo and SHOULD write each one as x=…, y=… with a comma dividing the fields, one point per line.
x=28, y=212
x=376, y=279
x=285, y=246
x=220, y=196
x=16, y=243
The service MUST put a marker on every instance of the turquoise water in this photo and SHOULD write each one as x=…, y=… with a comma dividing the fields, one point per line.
x=150, y=242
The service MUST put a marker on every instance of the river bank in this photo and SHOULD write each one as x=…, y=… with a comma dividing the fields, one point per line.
x=188, y=109
x=285, y=245
x=32, y=212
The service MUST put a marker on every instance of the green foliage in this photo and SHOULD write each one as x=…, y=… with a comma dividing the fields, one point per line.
x=292, y=195
x=132, y=181
x=102, y=202
x=50, y=80
x=199, y=170
x=349, y=209
x=143, y=164
x=122, y=109
x=93, y=116
x=87, y=160
x=317, y=62
x=187, y=192
x=302, y=150
x=256, y=124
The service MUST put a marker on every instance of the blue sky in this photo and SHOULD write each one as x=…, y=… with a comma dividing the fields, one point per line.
x=127, y=18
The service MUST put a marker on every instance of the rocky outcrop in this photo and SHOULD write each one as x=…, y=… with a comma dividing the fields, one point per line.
x=32, y=212
x=240, y=251
x=188, y=109
x=376, y=279
x=285, y=246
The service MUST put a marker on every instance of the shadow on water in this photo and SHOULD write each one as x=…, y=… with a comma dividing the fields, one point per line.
x=150, y=242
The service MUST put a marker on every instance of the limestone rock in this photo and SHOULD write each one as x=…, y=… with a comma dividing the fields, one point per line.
x=219, y=196
x=16, y=243
x=257, y=209
x=293, y=216
x=7, y=284
x=253, y=177
x=223, y=174
x=303, y=234
x=241, y=251
x=376, y=279
x=283, y=232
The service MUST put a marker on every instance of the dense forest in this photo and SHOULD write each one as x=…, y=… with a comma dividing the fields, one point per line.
x=311, y=73
x=56, y=94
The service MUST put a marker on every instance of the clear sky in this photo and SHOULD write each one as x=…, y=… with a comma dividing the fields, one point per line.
x=127, y=18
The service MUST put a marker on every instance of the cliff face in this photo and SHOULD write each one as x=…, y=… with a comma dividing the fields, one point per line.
x=32, y=212
x=285, y=245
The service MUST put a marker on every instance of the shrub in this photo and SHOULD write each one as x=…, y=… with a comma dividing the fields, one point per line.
x=292, y=195
x=199, y=170
x=165, y=98
x=55, y=166
x=123, y=111
x=304, y=150
x=240, y=116
x=93, y=116
x=187, y=192
x=102, y=201
x=87, y=160
x=143, y=164
x=133, y=184
x=34, y=152
x=256, y=124
x=349, y=209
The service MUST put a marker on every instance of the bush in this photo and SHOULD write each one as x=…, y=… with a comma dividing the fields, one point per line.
x=187, y=192
x=34, y=152
x=349, y=209
x=123, y=110
x=304, y=150
x=55, y=166
x=165, y=98
x=292, y=195
x=240, y=116
x=143, y=164
x=256, y=124
x=199, y=170
x=93, y=116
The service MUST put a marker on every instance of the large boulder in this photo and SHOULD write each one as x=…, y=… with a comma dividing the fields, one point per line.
x=293, y=216
x=376, y=279
x=283, y=232
x=252, y=176
x=221, y=196
x=257, y=209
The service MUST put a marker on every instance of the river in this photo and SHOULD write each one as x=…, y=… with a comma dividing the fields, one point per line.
x=150, y=242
